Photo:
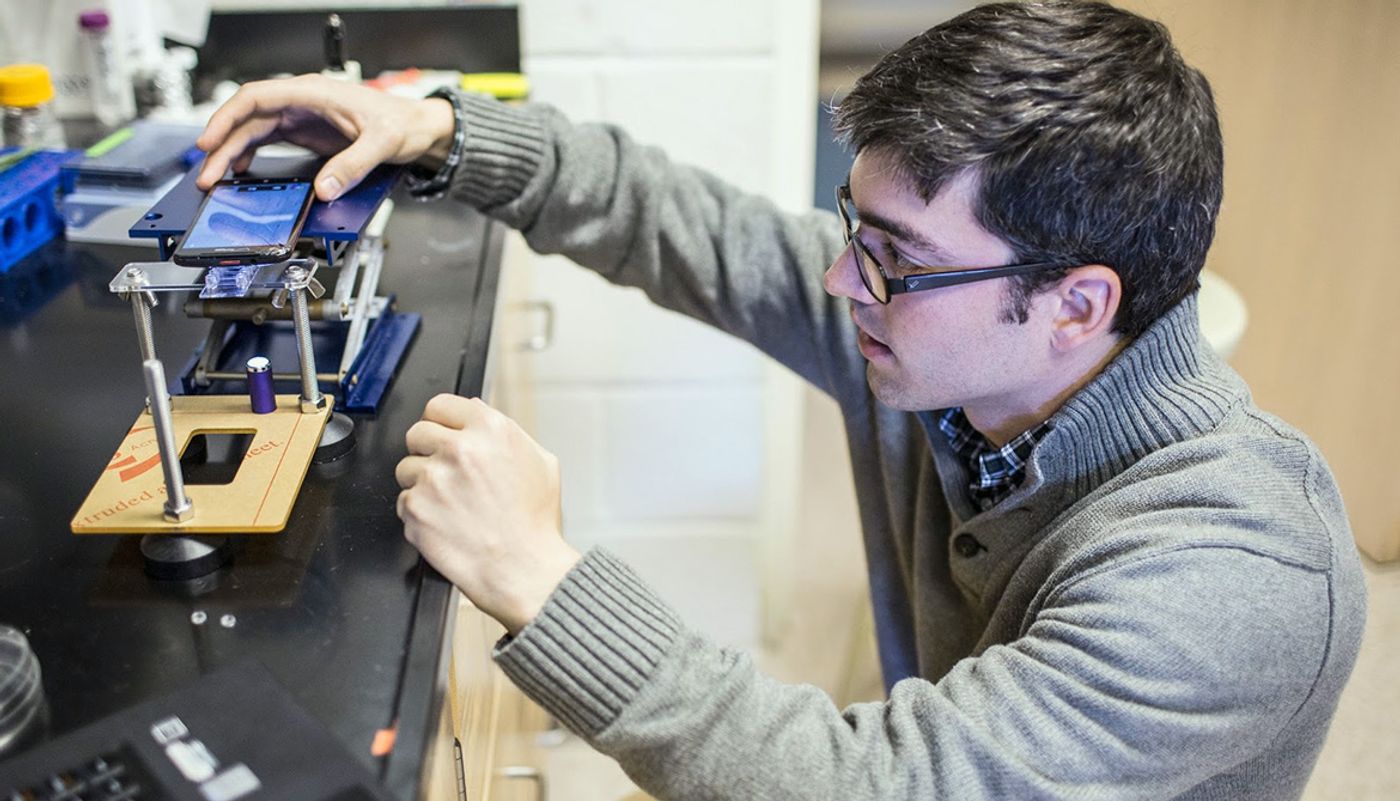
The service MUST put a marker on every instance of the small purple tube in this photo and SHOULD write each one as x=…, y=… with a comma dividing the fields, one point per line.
x=260, y=385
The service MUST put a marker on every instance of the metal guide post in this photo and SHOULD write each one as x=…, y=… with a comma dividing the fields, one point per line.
x=178, y=507
x=297, y=285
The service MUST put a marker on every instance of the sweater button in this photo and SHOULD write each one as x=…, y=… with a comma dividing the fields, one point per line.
x=968, y=546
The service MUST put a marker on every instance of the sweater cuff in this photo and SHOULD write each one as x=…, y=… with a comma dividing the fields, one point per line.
x=503, y=150
x=593, y=646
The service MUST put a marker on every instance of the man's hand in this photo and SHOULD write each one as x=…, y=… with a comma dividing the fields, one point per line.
x=480, y=500
x=360, y=127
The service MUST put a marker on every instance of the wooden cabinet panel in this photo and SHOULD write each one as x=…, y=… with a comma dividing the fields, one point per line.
x=1307, y=232
x=518, y=767
x=494, y=722
x=440, y=771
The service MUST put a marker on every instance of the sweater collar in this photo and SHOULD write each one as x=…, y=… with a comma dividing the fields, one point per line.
x=1167, y=386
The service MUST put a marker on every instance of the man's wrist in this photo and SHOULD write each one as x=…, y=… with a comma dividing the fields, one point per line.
x=440, y=126
x=534, y=592
x=444, y=122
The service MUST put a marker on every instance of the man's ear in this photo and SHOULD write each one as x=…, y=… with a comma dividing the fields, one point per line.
x=1088, y=301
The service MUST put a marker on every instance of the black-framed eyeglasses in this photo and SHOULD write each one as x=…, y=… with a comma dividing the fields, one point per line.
x=882, y=286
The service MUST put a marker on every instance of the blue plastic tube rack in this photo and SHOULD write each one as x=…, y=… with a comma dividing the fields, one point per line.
x=28, y=216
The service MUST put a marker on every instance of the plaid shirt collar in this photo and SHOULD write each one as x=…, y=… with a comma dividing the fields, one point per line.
x=996, y=472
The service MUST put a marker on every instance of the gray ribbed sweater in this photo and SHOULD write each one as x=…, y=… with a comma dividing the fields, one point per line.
x=1167, y=608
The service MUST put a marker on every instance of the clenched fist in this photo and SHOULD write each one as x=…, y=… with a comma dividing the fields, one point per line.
x=480, y=501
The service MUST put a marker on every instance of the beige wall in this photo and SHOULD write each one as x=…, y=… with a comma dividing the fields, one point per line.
x=1309, y=93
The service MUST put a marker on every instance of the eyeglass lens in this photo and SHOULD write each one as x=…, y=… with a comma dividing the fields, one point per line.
x=870, y=271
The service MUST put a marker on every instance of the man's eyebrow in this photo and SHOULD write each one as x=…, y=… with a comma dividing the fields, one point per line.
x=899, y=230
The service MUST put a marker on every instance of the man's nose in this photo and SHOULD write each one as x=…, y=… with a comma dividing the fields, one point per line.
x=842, y=278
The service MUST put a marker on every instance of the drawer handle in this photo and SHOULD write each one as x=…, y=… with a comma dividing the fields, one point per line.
x=528, y=773
x=545, y=338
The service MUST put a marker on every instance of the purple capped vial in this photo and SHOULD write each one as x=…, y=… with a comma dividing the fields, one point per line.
x=260, y=385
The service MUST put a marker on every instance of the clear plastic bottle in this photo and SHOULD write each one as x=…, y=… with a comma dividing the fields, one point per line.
x=109, y=87
x=26, y=104
x=165, y=89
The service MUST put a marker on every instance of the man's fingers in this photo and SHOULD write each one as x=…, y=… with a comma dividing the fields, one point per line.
x=410, y=470
x=245, y=159
x=260, y=105
x=259, y=98
x=224, y=119
x=350, y=166
x=455, y=411
x=242, y=141
x=213, y=169
x=425, y=438
x=444, y=419
x=243, y=162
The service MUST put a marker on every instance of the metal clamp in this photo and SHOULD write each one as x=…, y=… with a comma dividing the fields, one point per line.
x=298, y=275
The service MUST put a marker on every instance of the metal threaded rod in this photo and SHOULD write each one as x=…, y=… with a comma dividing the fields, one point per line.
x=177, y=505
x=233, y=375
x=145, y=333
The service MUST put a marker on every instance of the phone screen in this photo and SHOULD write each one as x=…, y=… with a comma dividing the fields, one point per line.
x=248, y=215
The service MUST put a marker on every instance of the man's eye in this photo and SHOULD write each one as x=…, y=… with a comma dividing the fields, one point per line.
x=905, y=265
x=899, y=261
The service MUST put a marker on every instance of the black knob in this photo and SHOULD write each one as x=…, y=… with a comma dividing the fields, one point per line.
x=333, y=42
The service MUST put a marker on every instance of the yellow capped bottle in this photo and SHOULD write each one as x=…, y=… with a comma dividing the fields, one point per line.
x=26, y=103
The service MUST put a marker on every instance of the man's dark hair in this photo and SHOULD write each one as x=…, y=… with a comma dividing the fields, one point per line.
x=1092, y=140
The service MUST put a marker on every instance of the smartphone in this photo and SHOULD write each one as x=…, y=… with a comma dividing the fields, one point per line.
x=247, y=221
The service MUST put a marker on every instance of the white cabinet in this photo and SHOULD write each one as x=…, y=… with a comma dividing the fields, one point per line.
x=678, y=444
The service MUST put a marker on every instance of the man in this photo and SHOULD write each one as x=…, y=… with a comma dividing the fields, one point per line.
x=1098, y=570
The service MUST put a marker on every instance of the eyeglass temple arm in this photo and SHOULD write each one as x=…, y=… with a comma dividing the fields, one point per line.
x=912, y=283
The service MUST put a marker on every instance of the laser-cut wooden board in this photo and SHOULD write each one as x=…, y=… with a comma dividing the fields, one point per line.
x=129, y=496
